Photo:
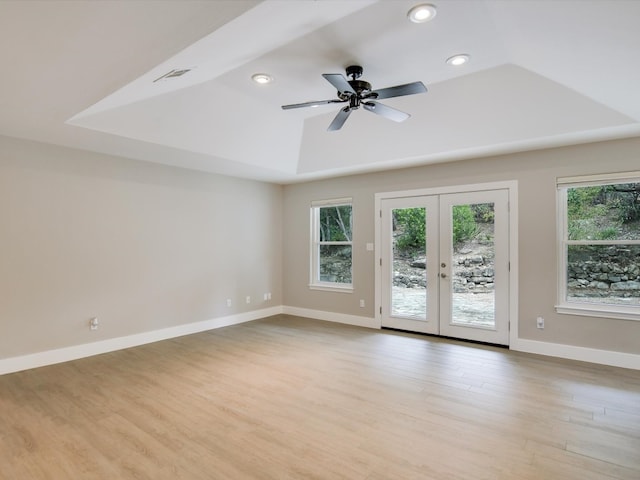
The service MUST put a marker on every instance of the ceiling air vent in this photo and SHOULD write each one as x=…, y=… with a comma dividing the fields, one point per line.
x=172, y=74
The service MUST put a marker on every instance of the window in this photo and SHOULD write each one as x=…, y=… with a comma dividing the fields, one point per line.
x=331, y=244
x=599, y=268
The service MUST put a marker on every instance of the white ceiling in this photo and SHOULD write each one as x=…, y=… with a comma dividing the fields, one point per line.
x=542, y=73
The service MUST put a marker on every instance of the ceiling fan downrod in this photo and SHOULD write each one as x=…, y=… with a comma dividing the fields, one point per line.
x=360, y=86
x=354, y=71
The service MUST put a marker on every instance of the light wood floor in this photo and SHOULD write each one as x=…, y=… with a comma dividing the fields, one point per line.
x=290, y=398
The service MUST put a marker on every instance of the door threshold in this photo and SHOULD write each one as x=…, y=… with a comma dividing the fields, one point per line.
x=465, y=340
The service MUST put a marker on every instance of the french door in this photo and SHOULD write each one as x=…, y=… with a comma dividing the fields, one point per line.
x=445, y=265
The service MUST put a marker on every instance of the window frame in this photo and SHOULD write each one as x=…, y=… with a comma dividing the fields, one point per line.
x=564, y=306
x=315, y=283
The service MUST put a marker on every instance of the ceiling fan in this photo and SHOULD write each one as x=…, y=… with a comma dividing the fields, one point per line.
x=359, y=93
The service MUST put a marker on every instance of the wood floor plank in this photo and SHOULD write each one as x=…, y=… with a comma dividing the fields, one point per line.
x=546, y=458
x=292, y=398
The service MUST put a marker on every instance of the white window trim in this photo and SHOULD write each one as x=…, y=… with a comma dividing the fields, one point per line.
x=564, y=306
x=314, y=282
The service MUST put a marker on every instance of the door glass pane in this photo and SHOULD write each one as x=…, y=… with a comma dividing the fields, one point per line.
x=472, y=265
x=409, y=282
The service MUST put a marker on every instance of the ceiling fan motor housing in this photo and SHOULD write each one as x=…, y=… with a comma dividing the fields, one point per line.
x=361, y=88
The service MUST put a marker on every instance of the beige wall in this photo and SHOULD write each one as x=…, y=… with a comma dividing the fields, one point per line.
x=139, y=245
x=145, y=246
x=536, y=174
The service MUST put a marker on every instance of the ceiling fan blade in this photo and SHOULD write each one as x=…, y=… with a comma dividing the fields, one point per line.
x=399, y=90
x=385, y=111
x=340, y=119
x=338, y=81
x=311, y=104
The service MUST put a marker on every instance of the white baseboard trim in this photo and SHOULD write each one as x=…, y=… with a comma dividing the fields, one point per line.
x=584, y=354
x=50, y=357
x=570, y=352
x=332, y=317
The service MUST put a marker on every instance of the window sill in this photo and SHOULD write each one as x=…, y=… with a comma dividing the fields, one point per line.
x=602, y=311
x=332, y=287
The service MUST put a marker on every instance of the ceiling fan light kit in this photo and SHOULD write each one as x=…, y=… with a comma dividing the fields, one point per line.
x=359, y=93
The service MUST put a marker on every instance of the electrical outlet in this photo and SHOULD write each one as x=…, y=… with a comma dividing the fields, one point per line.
x=248, y=299
x=265, y=297
x=540, y=323
x=269, y=296
x=94, y=323
x=228, y=302
x=361, y=303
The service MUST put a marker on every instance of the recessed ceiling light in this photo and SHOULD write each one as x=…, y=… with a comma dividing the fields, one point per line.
x=262, y=78
x=458, y=60
x=422, y=13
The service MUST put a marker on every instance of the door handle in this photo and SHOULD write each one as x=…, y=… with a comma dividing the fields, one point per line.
x=443, y=275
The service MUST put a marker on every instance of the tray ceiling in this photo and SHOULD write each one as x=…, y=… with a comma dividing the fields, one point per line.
x=85, y=75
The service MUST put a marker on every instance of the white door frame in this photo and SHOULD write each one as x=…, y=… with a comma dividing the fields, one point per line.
x=511, y=186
